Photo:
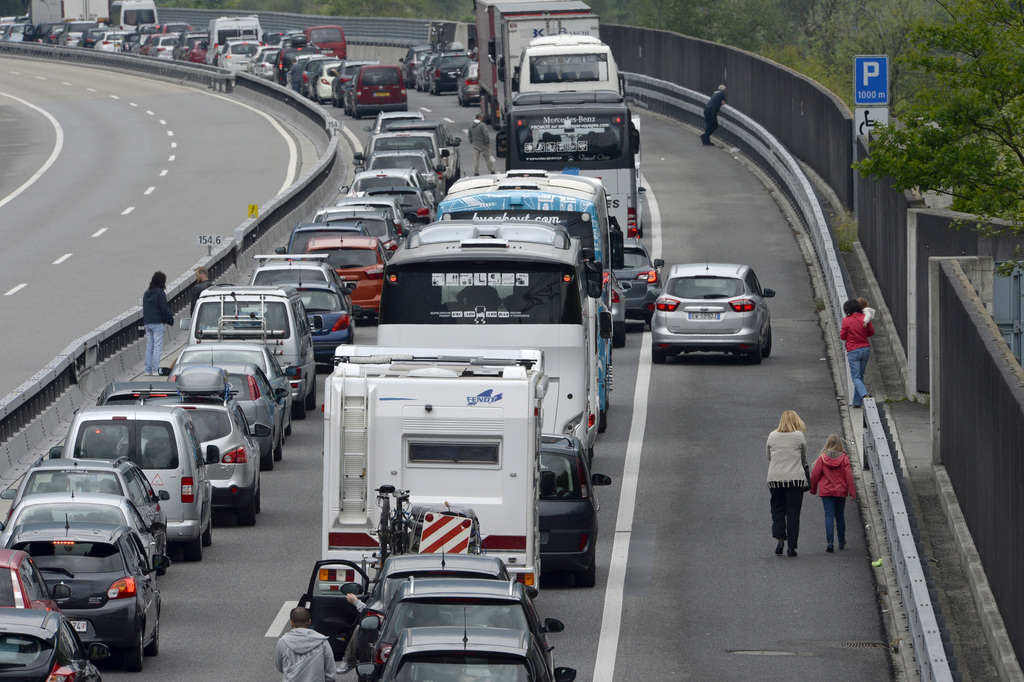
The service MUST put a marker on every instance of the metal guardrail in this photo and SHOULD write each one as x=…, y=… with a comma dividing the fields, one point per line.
x=762, y=148
x=27, y=416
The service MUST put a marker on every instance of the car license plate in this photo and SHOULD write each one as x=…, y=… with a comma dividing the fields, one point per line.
x=703, y=316
x=80, y=625
x=381, y=94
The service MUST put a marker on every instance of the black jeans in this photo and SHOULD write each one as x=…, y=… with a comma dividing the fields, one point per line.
x=710, y=123
x=786, y=504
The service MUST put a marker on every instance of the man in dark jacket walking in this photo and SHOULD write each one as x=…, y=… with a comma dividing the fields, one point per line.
x=155, y=314
x=711, y=114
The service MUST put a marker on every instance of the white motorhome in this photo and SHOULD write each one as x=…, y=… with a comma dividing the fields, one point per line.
x=456, y=427
x=567, y=62
x=130, y=14
x=223, y=28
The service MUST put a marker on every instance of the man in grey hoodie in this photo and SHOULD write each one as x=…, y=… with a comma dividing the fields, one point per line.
x=304, y=655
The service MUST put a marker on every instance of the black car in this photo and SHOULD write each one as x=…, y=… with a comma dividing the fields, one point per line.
x=303, y=232
x=417, y=205
x=568, y=509
x=91, y=35
x=640, y=279
x=114, y=597
x=467, y=653
x=40, y=646
x=461, y=602
x=444, y=74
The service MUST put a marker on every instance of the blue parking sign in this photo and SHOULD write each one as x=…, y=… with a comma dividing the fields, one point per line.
x=871, y=79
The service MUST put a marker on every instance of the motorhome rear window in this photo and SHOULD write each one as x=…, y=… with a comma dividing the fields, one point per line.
x=453, y=453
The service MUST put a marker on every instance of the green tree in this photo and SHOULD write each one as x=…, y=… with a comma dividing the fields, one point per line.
x=964, y=135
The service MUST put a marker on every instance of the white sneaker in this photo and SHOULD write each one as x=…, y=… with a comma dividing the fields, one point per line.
x=344, y=666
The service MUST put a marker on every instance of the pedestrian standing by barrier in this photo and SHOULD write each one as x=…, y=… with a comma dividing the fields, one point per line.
x=303, y=654
x=711, y=114
x=295, y=75
x=155, y=314
x=787, y=479
x=481, y=142
x=855, y=332
x=202, y=284
x=832, y=481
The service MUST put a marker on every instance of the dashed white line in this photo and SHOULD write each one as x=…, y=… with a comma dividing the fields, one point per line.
x=98, y=232
x=150, y=190
x=164, y=172
x=40, y=78
x=276, y=628
x=149, y=112
x=91, y=89
x=448, y=120
x=426, y=110
x=65, y=83
x=128, y=210
x=174, y=145
x=16, y=73
x=62, y=259
x=132, y=104
x=19, y=288
x=171, y=157
x=163, y=122
x=114, y=97
x=170, y=133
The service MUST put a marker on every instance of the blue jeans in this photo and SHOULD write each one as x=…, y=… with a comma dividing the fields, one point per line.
x=835, y=508
x=858, y=359
x=154, y=346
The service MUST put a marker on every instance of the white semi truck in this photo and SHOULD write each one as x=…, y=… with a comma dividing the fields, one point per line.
x=504, y=28
x=453, y=427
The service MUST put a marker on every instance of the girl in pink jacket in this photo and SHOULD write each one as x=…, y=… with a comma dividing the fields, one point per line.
x=832, y=480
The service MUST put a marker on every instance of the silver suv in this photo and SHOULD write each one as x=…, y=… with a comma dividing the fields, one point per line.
x=163, y=442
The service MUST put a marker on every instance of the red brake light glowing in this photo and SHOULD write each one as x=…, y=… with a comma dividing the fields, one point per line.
x=121, y=588
x=666, y=305
x=743, y=305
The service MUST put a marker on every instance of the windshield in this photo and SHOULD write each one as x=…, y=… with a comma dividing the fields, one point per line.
x=211, y=424
x=244, y=49
x=64, y=511
x=22, y=651
x=363, y=184
x=573, y=68
x=413, y=161
x=373, y=227
x=569, y=138
x=481, y=292
x=450, y=63
x=403, y=142
x=150, y=444
x=704, y=287
x=321, y=301
x=285, y=275
x=325, y=35
x=634, y=258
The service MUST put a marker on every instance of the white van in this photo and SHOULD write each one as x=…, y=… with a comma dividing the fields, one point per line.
x=130, y=14
x=223, y=28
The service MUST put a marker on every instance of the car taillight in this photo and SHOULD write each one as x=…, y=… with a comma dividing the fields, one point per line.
x=472, y=81
x=632, y=229
x=615, y=296
x=305, y=78
x=188, y=495
x=121, y=588
x=254, y=388
x=423, y=212
x=666, y=305
x=376, y=273
x=61, y=674
x=651, y=276
x=743, y=305
x=342, y=323
x=391, y=245
x=382, y=653
x=583, y=482
x=583, y=540
x=398, y=227
x=437, y=73
x=526, y=578
x=335, y=578
x=236, y=456
x=324, y=81
x=591, y=420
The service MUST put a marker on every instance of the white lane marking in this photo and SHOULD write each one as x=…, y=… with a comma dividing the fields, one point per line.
x=448, y=120
x=352, y=137
x=426, y=110
x=91, y=89
x=171, y=157
x=293, y=152
x=16, y=289
x=150, y=190
x=114, y=97
x=611, y=618
x=128, y=210
x=16, y=73
x=98, y=232
x=163, y=122
x=40, y=78
x=170, y=133
x=65, y=83
x=174, y=145
x=652, y=205
x=164, y=172
x=62, y=259
x=57, y=146
x=132, y=104
x=276, y=628
x=149, y=112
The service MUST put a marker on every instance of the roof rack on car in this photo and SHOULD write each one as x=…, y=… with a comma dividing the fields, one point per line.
x=263, y=258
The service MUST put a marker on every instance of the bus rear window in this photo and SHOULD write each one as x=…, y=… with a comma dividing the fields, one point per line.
x=584, y=137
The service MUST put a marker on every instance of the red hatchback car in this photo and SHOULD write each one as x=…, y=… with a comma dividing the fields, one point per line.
x=22, y=585
x=356, y=259
x=376, y=88
x=330, y=40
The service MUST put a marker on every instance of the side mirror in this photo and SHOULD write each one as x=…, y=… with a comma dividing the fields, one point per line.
x=501, y=144
x=553, y=625
x=532, y=591
x=445, y=153
x=659, y=263
x=318, y=322
x=515, y=82
x=184, y=323
x=594, y=278
x=357, y=310
x=366, y=129
x=458, y=141
x=351, y=588
x=281, y=393
x=157, y=526
x=344, y=189
x=370, y=623
x=768, y=293
x=366, y=670
x=165, y=371
x=358, y=156
x=501, y=70
x=164, y=495
x=212, y=454
x=604, y=323
x=98, y=652
x=161, y=562
x=359, y=169
x=433, y=185
x=8, y=494
x=56, y=452
x=440, y=168
x=60, y=591
x=600, y=479
x=615, y=239
x=261, y=430
x=280, y=250
x=565, y=674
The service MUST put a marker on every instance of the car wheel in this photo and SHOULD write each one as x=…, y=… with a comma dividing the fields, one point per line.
x=267, y=461
x=298, y=409
x=153, y=648
x=602, y=422
x=246, y=516
x=355, y=112
x=258, y=500
x=658, y=356
x=133, y=656
x=311, y=398
x=588, y=577
x=288, y=428
x=768, y=343
x=754, y=355
x=619, y=336
x=279, y=450
x=207, y=536
x=193, y=550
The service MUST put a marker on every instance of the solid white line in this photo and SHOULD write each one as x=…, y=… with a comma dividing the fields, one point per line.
x=163, y=172
x=611, y=618
x=276, y=628
x=41, y=78
x=16, y=73
x=16, y=289
x=98, y=232
x=150, y=190
x=57, y=146
x=62, y=259
x=652, y=205
x=291, y=175
x=128, y=210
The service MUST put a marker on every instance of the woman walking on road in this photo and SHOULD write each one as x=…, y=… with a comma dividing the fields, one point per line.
x=787, y=478
x=856, y=332
x=155, y=314
x=832, y=480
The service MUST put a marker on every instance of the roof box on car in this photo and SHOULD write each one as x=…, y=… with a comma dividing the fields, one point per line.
x=202, y=381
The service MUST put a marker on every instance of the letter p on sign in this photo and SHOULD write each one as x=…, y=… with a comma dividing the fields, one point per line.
x=870, y=71
x=871, y=80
